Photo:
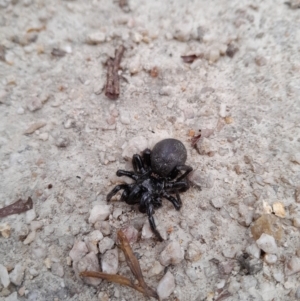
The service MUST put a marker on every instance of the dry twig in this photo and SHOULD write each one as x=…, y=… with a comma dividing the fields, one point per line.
x=17, y=207
x=134, y=267
x=112, y=89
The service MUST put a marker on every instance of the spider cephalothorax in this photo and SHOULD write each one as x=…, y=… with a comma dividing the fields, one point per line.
x=157, y=174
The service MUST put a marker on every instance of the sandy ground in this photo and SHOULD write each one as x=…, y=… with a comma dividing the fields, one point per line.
x=247, y=106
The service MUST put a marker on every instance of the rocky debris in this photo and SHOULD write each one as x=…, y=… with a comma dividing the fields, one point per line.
x=92, y=241
x=134, y=146
x=253, y=250
x=146, y=231
x=78, y=251
x=166, y=286
x=117, y=212
x=17, y=275
x=104, y=227
x=30, y=238
x=12, y=297
x=268, y=224
x=105, y=244
x=110, y=262
x=246, y=214
x=201, y=179
x=99, y=213
x=292, y=266
x=34, y=104
x=217, y=202
x=5, y=230
x=96, y=38
x=4, y=276
x=193, y=252
x=191, y=273
x=278, y=209
x=270, y=258
x=131, y=234
x=267, y=243
x=88, y=263
x=156, y=269
x=172, y=254
x=30, y=215
x=34, y=127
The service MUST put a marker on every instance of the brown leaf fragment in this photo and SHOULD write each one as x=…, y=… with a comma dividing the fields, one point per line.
x=112, y=88
x=17, y=207
x=134, y=267
x=34, y=127
x=189, y=58
x=58, y=52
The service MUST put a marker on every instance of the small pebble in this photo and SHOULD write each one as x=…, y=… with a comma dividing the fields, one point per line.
x=214, y=55
x=191, y=273
x=103, y=226
x=99, y=213
x=253, y=250
x=34, y=104
x=96, y=38
x=131, y=233
x=217, y=202
x=32, y=128
x=117, y=212
x=166, y=286
x=172, y=254
x=146, y=231
x=270, y=258
x=105, y=244
x=88, y=263
x=134, y=146
x=292, y=266
x=12, y=297
x=156, y=269
x=78, y=251
x=267, y=243
x=5, y=230
x=30, y=215
x=222, y=111
x=193, y=252
x=30, y=238
x=110, y=262
x=278, y=209
x=260, y=61
x=17, y=275
x=4, y=276
x=92, y=241
x=48, y=263
x=62, y=141
x=20, y=110
x=69, y=123
x=124, y=117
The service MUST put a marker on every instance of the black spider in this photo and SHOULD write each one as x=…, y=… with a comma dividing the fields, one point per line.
x=157, y=174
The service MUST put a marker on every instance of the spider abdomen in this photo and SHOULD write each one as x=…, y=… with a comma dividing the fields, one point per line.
x=167, y=155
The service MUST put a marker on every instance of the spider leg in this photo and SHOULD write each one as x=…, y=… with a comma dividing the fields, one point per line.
x=177, y=186
x=115, y=190
x=175, y=201
x=129, y=174
x=185, y=168
x=138, y=164
x=147, y=158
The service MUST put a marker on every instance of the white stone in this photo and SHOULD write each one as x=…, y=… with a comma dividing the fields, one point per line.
x=12, y=297
x=92, y=241
x=217, y=202
x=292, y=266
x=4, y=276
x=166, y=286
x=191, y=273
x=172, y=254
x=131, y=233
x=124, y=117
x=88, y=263
x=117, y=212
x=57, y=269
x=78, y=251
x=36, y=225
x=270, y=258
x=156, y=269
x=110, y=262
x=30, y=216
x=105, y=244
x=17, y=275
x=99, y=213
x=96, y=38
x=134, y=146
x=5, y=230
x=146, y=231
x=30, y=238
x=103, y=227
x=253, y=250
x=267, y=243
x=193, y=252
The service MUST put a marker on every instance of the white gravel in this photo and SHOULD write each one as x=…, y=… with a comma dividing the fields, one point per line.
x=62, y=141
